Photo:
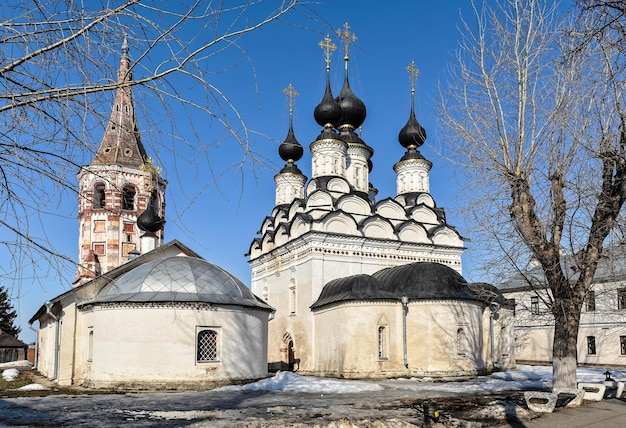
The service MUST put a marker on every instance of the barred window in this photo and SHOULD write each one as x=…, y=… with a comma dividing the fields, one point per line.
x=207, y=346
x=622, y=345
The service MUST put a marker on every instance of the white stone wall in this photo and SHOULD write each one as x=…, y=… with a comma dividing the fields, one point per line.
x=346, y=340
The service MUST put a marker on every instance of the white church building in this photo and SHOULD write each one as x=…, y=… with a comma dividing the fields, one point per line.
x=367, y=288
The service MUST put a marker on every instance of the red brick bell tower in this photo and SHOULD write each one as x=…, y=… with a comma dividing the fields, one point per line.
x=118, y=185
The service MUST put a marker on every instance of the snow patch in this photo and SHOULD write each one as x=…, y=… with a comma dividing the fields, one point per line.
x=33, y=387
x=10, y=374
x=291, y=382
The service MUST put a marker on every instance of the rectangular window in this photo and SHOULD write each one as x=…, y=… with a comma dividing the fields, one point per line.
x=382, y=343
x=621, y=298
x=207, y=346
x=622, y=345
x=534, y=305
x=129, y=228
x=590, y=301
x=591, y=345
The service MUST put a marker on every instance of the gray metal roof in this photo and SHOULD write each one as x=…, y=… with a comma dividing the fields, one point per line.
x=179, y=279
x=416, y=281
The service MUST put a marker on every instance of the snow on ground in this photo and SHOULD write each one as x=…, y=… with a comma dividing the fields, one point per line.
x=10, y=374
x=291, y=382
x=524, y=378
x=20, y=365
x=33, y=387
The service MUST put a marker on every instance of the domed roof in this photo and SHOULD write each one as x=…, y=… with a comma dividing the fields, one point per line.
x=149, y=220
x=353, y=111
x=417, y=281
x=413, y=134
x=179, y=279
x=290, y=150
x=328, y=110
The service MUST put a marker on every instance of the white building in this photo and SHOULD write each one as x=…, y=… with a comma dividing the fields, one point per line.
x=602, y=331
x=366, y=288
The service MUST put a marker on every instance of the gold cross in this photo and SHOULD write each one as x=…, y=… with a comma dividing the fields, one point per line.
x=329, y=47
x=413, y=73
x=291, y=93
x=345, y=37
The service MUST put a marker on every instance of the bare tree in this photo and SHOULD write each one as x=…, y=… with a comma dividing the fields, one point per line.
x=58, y=67
x=541, y=131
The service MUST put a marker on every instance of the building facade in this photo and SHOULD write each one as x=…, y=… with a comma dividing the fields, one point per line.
x=602, y=331
x=331, y=228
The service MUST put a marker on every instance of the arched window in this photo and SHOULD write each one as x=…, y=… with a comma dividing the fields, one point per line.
x=382, y=342
x=98, y=196
x=461, y=341
x=206, y=346
x=128, y=198
x=90, y=347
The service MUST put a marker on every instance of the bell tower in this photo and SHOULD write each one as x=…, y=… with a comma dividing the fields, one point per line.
x=119, y=185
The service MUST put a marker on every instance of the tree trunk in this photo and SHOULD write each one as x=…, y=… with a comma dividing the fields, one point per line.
x=565, y=354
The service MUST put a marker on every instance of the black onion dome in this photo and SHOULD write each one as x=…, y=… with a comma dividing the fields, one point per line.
x=328, y=110
x=425, y=280
x=353, y=110
x=149, y=220
x=413, y=134
x=290, y=150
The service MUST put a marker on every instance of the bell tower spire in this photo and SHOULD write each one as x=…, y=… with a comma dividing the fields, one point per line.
x=119, y=184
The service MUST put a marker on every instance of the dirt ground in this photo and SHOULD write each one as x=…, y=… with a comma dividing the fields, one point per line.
x=388, y=408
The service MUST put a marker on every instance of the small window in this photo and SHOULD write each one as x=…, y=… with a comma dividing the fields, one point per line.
x=128, y=198
x=90, y=347
x=207, y=346
x=292, y=300
x=621, y=298
x=622, y=345
x=382, y=342
x=98, y=196
x=460, y=342
x=591, y=345
x=590, y=301
x=534, y=305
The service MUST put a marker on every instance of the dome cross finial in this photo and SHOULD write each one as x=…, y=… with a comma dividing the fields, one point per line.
x=329, y=47
x=291, y=95
x=413, y=73
x=346, y=38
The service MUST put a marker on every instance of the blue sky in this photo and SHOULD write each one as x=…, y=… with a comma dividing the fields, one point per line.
x=219, y=219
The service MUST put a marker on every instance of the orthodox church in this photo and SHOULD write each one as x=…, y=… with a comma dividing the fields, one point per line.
x=141, y=313
x=367, y=288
